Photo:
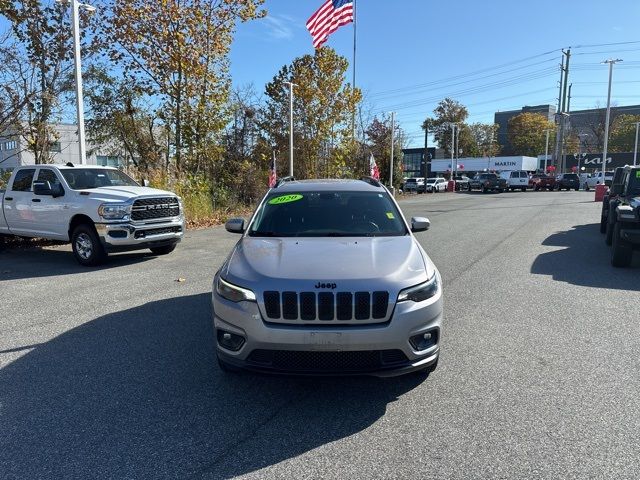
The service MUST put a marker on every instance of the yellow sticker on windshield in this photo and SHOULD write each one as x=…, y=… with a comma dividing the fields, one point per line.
x=285, y=199
x=390, y=216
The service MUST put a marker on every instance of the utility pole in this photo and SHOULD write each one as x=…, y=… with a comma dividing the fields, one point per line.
x=566, y=80
x=569, y=100
x=635, y=150
x=453, y=147
x=426, y=151
x=393, y=131
x=611, y=63
x=291, y=85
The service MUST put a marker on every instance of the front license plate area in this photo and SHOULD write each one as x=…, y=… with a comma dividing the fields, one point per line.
x=325, y=341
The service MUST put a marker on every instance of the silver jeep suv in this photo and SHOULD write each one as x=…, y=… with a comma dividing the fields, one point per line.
x=328, y=278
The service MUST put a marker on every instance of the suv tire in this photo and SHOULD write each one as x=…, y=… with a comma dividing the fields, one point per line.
x=611, y=223
x=621, y=252
x=86, y=246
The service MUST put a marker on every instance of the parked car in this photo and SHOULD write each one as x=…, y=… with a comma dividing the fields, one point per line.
x=98, y=209
x=596, y=179
x=609, y=204
x=516, y=179
x=541, y=181
x=462, y=182
x=280, y=307
x=435, y=185
x=626, y=218
x=568, y=181
x=487, y=182
x=416, y=184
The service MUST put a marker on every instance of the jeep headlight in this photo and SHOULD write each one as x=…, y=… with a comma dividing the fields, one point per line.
x=234, y=293
x=114, y=211
x=421, y=292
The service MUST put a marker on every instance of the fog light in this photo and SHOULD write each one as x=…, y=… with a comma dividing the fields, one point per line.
x=424, y=341
x=230, y=341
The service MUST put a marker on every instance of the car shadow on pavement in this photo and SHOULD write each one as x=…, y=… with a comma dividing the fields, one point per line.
x=585, y=261
x=138, y=394
x=35, y=262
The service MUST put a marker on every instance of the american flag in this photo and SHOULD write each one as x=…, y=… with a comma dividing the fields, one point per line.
x=332, y=15
x=273, y=177
x=373, y=166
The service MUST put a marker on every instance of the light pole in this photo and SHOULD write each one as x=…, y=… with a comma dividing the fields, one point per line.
x=393, y=131
x=635, y=149
x=75, y=20
x=601, y=188
x=291, y=85
x=546, y=151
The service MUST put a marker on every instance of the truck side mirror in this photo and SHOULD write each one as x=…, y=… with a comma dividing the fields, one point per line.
x=617, y=189
x=420, y=224
x=42, y=188
x=235, y=225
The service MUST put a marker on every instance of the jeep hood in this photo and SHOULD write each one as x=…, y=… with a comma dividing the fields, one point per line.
x=122, y=194
x=352, y=263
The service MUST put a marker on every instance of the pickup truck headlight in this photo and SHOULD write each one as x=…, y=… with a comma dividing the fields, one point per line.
x=115, y=211
x=234, y=293
x=421, y=292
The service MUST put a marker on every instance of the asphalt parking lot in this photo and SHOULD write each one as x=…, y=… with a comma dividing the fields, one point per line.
x=111, y=372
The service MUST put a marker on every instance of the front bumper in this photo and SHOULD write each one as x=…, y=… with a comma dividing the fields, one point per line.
x=304, y=343
x=123, y=236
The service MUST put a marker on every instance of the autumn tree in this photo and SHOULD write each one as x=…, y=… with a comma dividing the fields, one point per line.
x=623, y=133
x=527, y=133
x=379, y=144
x=485, y=140
x=323, y=110
x=177, y=52
x=448, y=112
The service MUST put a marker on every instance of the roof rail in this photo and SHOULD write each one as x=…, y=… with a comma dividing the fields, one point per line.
x=69, y=164
x=371, y=181
x=284, y=180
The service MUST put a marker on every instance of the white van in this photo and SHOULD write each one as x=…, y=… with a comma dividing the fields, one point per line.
x=516, y=179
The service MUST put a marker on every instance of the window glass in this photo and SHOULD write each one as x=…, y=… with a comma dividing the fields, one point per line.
x=23, y=180
x=88, y=178
x=48, y=175
x=328, y=214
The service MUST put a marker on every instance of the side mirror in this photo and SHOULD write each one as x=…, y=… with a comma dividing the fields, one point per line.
x=420, y=224
x=235, y=225
x=145, y=183
x=42, y=188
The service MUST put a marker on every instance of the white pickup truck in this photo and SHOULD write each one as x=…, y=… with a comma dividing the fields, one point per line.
x=596, y=179
x=98, y=209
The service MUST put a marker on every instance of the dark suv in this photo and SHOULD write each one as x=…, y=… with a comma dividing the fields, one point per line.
x=625, y=218
x=568, y=181
x=609, y=204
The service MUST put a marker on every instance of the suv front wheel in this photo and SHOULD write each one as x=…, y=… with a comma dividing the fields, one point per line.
x=622, y=251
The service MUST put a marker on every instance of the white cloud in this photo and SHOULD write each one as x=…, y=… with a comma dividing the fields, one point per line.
x=281, y=27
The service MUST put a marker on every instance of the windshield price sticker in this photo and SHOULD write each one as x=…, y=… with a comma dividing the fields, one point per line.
x=285, y=199
x=390, y=216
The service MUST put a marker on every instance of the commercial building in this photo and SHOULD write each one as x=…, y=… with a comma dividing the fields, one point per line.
x=14, y=151
x=414, y=163
x=497, y=164
x=502, y=120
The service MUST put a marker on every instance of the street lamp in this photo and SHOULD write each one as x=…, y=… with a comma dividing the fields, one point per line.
x=602, y=187
x=75, y=20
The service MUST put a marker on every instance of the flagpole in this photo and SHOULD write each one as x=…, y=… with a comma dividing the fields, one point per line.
x=355, y=23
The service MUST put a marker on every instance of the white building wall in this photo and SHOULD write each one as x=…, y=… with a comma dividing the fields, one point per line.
x=499, y=164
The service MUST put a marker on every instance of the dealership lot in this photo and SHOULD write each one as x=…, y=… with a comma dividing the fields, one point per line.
x=111, y=372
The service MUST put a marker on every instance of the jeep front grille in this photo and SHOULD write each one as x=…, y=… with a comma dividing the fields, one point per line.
x=307, y=307
x=151, y=208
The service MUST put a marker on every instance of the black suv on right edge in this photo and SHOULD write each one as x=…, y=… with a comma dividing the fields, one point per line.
x=626, y=218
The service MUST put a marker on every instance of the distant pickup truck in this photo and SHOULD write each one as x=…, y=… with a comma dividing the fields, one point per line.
x=541, y=181
x=98, y=209
x=596, y=179
x=487, y=182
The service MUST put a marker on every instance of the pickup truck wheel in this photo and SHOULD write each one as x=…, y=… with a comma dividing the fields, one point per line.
x=87, y=247
x=603, y=220
x=611, y=221
x=163, y=250
x=622, y=252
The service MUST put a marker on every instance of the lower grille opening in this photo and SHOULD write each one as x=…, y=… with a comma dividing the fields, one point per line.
x=331, y=362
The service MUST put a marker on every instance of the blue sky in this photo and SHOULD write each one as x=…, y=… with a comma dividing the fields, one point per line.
x=408, y=50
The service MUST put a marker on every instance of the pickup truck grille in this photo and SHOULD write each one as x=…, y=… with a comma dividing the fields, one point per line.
x=307, y=307
x=150, y=208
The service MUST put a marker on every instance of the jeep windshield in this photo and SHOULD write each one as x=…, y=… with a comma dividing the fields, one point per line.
x=328, y=214
x=88, y=178
x=634, y=183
